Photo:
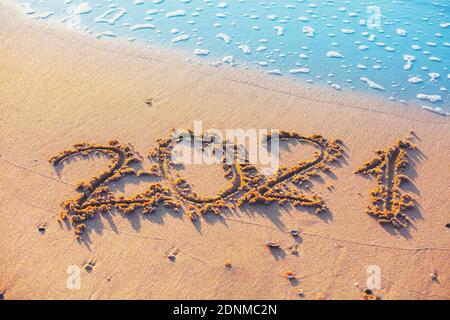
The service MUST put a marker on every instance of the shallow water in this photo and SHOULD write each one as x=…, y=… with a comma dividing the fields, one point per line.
x=398, y=49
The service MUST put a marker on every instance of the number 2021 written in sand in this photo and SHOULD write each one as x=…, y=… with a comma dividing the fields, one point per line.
x=246, y=185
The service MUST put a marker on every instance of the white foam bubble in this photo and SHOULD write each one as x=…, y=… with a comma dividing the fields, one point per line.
x=409, y=60
x=142, y=26
x=401, y=32
x=372, y=84
x=308, y=31
x=201, y=52
x=176, y=13
x=429, y=97
x=245, y=48
x=303, y=56
x=335, y=86
x=299, y=70
x=109, y=34
x=436, y=110
x=434, y=76
x=179, y=38
x=261, y=48
x=228, y=59
x=347, y=31
x=415, y=80
x=226, y=38
x=334, y=54
x=44, y=15
x=280, y=30
x=83, y=8
x=276, y=72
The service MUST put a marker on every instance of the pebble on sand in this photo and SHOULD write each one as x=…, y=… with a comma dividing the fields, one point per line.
x=41, y=229
x=289, y=275
x=149, y=101
x=272, y=244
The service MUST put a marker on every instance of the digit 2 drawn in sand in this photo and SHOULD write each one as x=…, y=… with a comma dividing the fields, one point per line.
x=387, y=201
x=246, y=185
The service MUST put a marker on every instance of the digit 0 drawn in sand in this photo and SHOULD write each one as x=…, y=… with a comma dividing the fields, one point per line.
x=246, y=184
x=388, y=203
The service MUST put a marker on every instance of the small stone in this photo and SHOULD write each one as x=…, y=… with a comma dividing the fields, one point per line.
x=294, y=232
x=41, y=229
x=448, y=225
x=355, y=284
x=368, y=291
x=149, y=101
x=171, y=257
x=289, y=275
x=433, y=276
x=300, y=292
x=272, y=244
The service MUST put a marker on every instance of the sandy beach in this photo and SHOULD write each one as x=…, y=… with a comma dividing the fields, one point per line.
x=59, y=88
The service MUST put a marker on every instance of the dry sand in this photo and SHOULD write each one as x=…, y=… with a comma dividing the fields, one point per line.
x=58, y=88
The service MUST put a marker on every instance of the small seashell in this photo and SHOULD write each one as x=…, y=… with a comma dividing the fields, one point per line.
x=171, y=257
x=149, y=101
x=88, y=268
x=289, y=275
x=272, y=244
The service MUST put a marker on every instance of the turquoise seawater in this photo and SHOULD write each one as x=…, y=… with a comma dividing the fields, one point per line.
x=398, y=49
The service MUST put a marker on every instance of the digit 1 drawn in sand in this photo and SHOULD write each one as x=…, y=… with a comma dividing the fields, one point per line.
x=246, y=184
x=388, y=203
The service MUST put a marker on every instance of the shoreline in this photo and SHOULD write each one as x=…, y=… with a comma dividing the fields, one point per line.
x=258, y=79
x=59, y=88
